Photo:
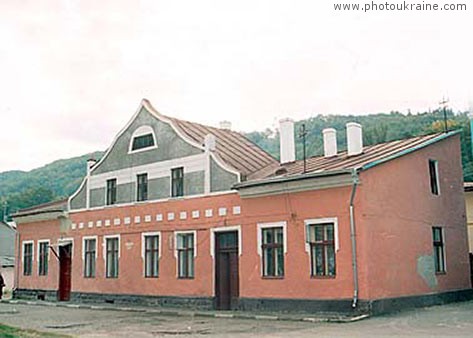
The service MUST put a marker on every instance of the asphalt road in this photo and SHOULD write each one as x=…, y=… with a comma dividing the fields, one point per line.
x=454, y=320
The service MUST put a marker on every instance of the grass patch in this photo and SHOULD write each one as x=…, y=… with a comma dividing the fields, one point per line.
x=13, y=332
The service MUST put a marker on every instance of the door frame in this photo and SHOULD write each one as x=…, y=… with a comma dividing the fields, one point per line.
x=65, y=242
x=213, y=233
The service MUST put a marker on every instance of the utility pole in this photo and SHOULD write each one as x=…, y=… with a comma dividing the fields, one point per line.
x=302, y=134
x=444, y=104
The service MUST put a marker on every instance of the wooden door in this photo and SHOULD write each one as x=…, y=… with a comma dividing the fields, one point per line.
x=65, y=264
x=226, y=270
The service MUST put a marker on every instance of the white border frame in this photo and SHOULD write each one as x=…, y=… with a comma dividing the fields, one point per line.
x=143, y=247
x=213, y=231
x=184, y=232
x=84, y=238
x=141, y=131
x=444, y=241
x=23, y=244
x=316, y=221
x=437, y=176
x=259, y=241
x=38, y=254
x=66, y=241
x=104, y=252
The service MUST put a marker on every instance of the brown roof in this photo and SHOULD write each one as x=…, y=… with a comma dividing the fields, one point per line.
x=232, y=147
x=371, y=154
x=60, y=205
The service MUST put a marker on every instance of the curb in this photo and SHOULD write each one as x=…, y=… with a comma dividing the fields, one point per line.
x=208, y=314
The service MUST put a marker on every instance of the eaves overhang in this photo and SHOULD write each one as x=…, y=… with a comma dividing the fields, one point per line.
x=37, y=216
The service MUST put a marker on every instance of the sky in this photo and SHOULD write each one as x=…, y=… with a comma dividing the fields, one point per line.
x=72, y=73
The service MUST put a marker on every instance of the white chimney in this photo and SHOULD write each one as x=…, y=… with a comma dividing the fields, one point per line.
x=225, y=125
x=209, y=142
x=90, y=163
x=286, y=140
x=330, y=142
x=354, y=139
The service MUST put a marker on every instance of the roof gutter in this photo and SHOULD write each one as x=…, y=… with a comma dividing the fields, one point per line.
x=353, y=238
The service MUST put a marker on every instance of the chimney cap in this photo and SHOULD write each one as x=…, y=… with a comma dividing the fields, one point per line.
x=225, y=125
x=329, y=130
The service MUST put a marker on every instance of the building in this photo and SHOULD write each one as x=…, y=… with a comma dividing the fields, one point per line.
x=177, y=213
x=468, y=187
x=7, y=254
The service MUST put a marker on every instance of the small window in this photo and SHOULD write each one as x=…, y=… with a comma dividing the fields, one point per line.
x=43, y=258
x=322, y=249
x=111, y=191
x=185, y=255
x=27, y=259
x=273, y=252
x=439, y=249
x=434, y=177
x=177, y=175
x=142, y=187
x=90, y=254
x=112, y=247
x=151, y=255
x=142, y=141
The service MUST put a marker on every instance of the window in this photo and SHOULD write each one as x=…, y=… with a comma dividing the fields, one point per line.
x=27, y=258
x=90, y=254
x=112, y=251
x=185, y=255
x=43, y=257
x=177, y=175
x=439, y=250
x=434, y=177
x=322, y=249
x=142, y=187
x=151, y=255
x=272, y=248
x=111, y=191
x=142, y=141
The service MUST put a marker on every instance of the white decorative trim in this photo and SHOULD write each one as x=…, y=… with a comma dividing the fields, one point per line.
x=315, y=221
x=225, y=229
x=147, y=234
x=141, y=131
x=98, y=224
x=23, y=244
x=73, y=226
x=137, y=219
x=104, y=249
x=208, y=212
x=222, y=211
x=170, y=216
x=81, y=225
x=126, y=220
x=84, y=238
x=90, y=224
x=39, y=242
x=184, y=232
x=183, y=215
x=225, y=166
x=116, y=221
x=159, y=217
x=259, y=238
x=192, y=163
x=237, y=210
x=195, y=214
x=76, y=193
x=207, y=176
x=107, y=222
x=147, y=218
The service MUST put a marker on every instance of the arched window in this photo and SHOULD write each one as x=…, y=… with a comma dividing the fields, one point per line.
x=143, y=139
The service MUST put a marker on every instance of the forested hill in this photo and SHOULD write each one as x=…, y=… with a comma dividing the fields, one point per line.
x=61, y=178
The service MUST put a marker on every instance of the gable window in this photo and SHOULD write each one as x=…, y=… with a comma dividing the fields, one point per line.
x=27, y=258
x=185, y=255
x=111, y=191
x=111, y=258
x=151, y=254
x=142, y=187
x=322, y=249
x=43, y=257
x=142, y=139
x=90, y=254
x=177, y=175
x=439, y=249
x=272, y=248
x=434, y=177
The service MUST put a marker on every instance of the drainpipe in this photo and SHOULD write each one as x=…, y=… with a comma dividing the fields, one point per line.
x=353, y=239
x=17, y=260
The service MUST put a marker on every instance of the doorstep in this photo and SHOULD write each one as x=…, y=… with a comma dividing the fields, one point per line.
x=266, y=316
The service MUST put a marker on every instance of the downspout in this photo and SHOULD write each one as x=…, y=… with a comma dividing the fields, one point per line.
x=353, y=238
x=17, y=260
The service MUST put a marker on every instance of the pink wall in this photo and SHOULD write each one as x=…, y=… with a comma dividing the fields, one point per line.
x=395, y=214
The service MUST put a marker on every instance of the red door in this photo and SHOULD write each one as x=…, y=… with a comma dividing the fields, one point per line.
x=65, y=264
x=226, y=270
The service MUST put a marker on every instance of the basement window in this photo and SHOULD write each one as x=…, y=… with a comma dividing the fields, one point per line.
x=434, y=177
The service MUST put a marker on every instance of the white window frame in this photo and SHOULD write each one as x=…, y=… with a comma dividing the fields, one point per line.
x=141, y=131
x=259, y=240
x=38, y=253
x=143, y=248
x=104, y=253
x=84, y=238
x=213, y=231
x=316, y=221
x=444, y=242
x=106, y=191
x=67, y=241
x=23, y=244
x=437, y=176
x=184, y=232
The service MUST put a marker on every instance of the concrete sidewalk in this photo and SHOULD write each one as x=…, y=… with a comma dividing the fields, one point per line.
x=315, y=318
